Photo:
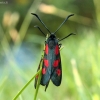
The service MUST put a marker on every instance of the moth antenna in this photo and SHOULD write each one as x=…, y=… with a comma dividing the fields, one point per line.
x=66, y=36
x=63, y=22
x=41, y=21
x=36, y=26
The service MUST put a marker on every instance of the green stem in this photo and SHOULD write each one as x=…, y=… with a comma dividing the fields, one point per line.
x=37, y=87
x=39, y=78
x=26, y=85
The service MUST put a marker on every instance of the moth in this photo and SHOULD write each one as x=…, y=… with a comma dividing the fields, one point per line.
x=51, y=66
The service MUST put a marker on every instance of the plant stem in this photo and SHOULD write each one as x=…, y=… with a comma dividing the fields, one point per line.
x=26, y=85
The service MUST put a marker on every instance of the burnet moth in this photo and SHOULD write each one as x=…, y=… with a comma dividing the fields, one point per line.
x=51, y=66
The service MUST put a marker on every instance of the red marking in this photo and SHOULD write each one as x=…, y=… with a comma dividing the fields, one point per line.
x=43, y=71
x=56, y=62
x=58, y=71
x=46, y=49
x=56, y=50
x=46, y=63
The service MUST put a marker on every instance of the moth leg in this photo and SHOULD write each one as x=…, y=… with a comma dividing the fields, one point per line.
x=35, y=83
x=47, y=85
x=60, y=45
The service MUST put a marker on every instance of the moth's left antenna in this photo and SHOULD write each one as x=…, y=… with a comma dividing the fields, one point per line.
x=41, y=22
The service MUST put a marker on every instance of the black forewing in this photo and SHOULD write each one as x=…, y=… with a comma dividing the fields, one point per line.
x=46, y=77
x=56, y=78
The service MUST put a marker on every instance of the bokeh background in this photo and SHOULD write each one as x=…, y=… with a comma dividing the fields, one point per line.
x=21, y=47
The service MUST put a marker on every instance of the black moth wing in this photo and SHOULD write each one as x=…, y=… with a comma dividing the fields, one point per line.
x=51, y=68
x=56, y=72
x=46, y=68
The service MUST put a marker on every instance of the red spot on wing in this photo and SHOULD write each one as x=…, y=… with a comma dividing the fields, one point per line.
x=46, y=62
x=46, y=49
x=58, y=71
x=56, y=50
x=56, y=63
x=43, y=70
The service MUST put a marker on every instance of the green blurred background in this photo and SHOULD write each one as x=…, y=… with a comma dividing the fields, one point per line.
x=21, y=47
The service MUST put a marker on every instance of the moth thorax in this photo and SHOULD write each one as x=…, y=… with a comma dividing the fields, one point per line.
x=51, y=44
